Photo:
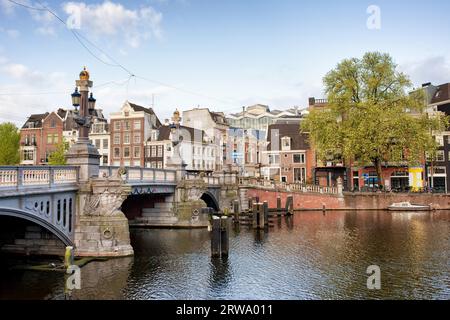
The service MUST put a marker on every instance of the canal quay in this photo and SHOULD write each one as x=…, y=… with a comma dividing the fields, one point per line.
x=310, y=255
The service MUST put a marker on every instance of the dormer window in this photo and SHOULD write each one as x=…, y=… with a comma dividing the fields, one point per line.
x=154, y=136
x=285, y=143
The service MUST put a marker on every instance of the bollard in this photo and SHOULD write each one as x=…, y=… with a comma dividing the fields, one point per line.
x=289, y=205
x=255, y=211
x=279, y=208
x=215, y=237
x=225, y=236
x=261, y=222
x=236, y=211
x=68, y=257
x=266, y=213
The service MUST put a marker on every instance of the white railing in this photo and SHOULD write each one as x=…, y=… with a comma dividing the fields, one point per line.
x=294, y=187
x=31, y=176
x=137, y=174
x=216, y=179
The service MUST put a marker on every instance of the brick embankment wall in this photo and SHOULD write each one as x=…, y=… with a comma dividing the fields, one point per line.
x=350, y=201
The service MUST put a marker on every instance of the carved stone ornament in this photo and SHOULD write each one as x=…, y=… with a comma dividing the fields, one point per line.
x=105, y=204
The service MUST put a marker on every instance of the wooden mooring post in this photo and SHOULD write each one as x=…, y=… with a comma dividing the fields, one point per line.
x=225, y=236
x=220, y=236
x=266, y=213
x=255, y=212
x=215, y=237
x=290, y=205
x=236, y=211
x=279, y=206
x=261, y=216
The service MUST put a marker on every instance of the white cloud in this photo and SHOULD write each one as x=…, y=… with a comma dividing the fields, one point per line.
x=7, y=7
x=12, y=33
x=433, y=69
x=46, y=31
x=113, y=19
x=16, y=70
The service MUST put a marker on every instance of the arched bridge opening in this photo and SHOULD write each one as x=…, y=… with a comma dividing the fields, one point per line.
x=211, y=201
x=22, y=232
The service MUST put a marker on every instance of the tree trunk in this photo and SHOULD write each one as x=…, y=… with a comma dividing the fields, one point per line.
x=377, y=163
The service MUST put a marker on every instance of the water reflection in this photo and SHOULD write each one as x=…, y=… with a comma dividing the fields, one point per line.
x=308, y=256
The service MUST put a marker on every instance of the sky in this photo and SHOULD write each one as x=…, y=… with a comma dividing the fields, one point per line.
x=220, y=54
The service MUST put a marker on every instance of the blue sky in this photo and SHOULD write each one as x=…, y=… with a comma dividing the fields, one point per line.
x=217, y=54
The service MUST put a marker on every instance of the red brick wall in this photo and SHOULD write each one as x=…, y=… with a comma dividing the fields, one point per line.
x=47, y=128
x=350, y=201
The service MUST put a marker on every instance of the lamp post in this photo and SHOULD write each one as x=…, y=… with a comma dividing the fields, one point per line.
x=83, y=153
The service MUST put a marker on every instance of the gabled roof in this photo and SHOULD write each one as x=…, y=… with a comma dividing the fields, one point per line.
x=299, y=141
x=35, y=120
x=138, y=108
x=442, y=93
x=164, y=133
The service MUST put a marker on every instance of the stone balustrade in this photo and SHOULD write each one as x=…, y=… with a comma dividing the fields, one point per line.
x=294, y=187
x=34, y=176
x=138, y=174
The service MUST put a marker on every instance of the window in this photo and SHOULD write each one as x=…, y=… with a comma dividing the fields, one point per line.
x=160, y=165
x=116, y=152
x=127, y=125
x=28, y=155
x=49, y=139
x=299, y=158
x=286, y=143
x=137, y=125
x=440, y=156
x=117, y=125
x=154, y=136
x=160, y=151
x=137, y=152
x=105, y=159
x=105, y=144
x=116, y=138
x=153, y=164
x=98, y=143
x=126, y=152
x=153, y=153
x=126, y=138
x=137, y=138
x=440, y=140
x=55, y=138
x=53, y=123
x=274, y=158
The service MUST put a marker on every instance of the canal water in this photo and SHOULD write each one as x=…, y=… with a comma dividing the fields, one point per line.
x=309, y=256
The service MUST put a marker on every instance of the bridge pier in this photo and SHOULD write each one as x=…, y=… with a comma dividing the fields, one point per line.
x=101, y=229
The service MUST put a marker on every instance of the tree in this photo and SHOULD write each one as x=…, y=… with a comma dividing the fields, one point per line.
x=9, y=144
x=371, y=118
x=58, y=157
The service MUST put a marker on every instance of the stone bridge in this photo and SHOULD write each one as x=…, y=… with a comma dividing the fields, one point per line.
x=90, y=214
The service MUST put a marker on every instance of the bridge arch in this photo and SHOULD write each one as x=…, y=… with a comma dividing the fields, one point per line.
x=210, y=201
x=20, y=214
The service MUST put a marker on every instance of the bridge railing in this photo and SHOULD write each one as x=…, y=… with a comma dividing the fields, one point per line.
x=138, y=174
x=294, y=187
x=215, y=179
x=36, y=176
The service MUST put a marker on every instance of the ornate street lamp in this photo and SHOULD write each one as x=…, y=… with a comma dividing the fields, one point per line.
x=91, y=102
x=76, y=99
x=80, y=99
x=83, y=154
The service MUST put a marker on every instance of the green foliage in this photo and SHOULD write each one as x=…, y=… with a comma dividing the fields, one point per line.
x=10, y=143
x=371, y=117
x=58, y=157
